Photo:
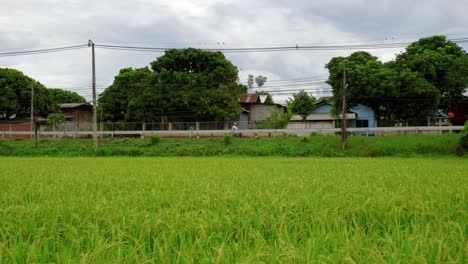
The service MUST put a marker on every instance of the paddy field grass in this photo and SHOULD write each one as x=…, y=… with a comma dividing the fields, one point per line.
x=233, y=210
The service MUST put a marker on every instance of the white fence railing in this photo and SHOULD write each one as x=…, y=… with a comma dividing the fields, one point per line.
x=190, y=133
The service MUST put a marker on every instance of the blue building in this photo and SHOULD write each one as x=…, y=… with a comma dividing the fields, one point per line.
x=359, y=116
x=365, y=117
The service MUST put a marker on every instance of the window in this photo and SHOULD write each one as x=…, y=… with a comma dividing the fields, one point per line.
x=362, y=123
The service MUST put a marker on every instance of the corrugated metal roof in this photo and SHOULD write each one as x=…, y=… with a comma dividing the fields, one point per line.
x=321, y=117
x=249, y=98
x=74, y=105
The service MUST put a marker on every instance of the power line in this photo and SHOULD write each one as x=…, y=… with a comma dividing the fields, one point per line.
x=299, y=79
x=42, y=51
x=267, y=87
x=226, y=50
x=278, y=48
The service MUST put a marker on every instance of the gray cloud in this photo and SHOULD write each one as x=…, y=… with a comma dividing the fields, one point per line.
x=31, y=24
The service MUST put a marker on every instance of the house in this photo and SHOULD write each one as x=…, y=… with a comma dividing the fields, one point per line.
x=256, y=107
x=365, y=117
x=320, y=118
x=78, y=114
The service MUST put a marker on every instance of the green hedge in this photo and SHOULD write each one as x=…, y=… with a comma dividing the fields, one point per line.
x=291, y=146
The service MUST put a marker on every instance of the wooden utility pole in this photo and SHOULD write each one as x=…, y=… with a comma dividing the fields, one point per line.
x=344, y=133
x=32, y=111
x=95, y=139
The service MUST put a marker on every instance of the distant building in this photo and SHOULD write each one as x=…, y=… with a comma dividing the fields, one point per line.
x=77, y=113
x=256, y=108
x=320, y=118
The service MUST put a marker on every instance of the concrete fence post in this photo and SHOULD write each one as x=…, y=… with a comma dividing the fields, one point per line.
x=10, y=130
x=143, y=128
x=74, y=130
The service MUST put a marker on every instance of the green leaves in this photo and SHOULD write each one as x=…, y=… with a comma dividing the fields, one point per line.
x=302, y=104
x=60, y=96
x=427, y=76
x=56, y=119
x=15, y=91
x=440, y=62
x=189, y=80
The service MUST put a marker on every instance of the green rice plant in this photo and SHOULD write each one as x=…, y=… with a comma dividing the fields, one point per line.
x=233, y=210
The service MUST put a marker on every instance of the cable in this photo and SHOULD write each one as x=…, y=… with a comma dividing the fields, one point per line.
x=299, y=79
x=41, y=51
x=278, y=48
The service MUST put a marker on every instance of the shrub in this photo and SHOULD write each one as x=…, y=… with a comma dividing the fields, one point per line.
x=154, y=139
x=227, y=139
x=276, y=120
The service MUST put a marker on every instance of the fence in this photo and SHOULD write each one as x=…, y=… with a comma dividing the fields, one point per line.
x=142, y=132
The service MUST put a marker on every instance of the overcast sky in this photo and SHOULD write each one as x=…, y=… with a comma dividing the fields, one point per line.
x=31, y=24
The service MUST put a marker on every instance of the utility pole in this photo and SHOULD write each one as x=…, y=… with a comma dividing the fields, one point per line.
x=32, y=111
x=95, y=139
x=344, y=133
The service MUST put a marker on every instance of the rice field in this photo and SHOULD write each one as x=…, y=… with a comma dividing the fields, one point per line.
x=233, y=210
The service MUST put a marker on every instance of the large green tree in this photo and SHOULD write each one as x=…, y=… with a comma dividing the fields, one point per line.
x=15, y=95
x=188, y=80
x=60, y=96
x=391, y=89
x=442, y=63
x=127, y=98
x=202, y=82
x=368, y=81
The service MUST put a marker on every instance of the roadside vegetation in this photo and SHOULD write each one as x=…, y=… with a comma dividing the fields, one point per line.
x=290, y=146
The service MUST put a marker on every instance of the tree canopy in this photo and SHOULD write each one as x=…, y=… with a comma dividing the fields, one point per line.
x=260, y=80
x=427, y=76
x=60, y=96
x=182, y=80
x=15, y=91
x=302, y=104
x=442, y=63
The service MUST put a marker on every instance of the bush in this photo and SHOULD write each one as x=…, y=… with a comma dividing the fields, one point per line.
x=276, y=120
x=227, y=139
x=154, y=139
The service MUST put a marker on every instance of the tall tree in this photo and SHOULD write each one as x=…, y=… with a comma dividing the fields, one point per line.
x=302, y=104
x=198, y=81
x=391, y=90
x=189, y=80
x=260, y=80
x=250, y=82
x=60, y=96
x=15, y=95
x=127, y=98
x=364, y=78
x=442, y=63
